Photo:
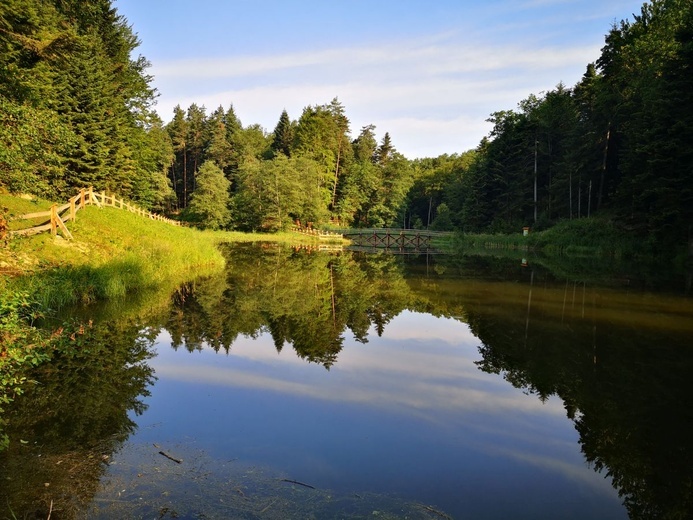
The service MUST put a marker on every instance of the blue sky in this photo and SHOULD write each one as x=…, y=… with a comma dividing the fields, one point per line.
x=428, y=72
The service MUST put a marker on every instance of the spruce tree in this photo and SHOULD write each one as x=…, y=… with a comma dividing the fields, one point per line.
x=283, y=135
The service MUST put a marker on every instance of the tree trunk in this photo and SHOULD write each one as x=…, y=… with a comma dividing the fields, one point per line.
x=570, y=195
x=430, y=203
x=535, y=181
x=185, y=178
x=336, y=175
x=603, y=171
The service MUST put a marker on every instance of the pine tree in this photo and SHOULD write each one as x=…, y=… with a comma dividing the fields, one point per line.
x=385, y=150
x=283, y=135
x=218, y=148
x=178, y=131
x=196, y=119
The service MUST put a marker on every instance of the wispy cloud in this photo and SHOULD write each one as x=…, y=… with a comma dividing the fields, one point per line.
x=392, y=61
x=439, y=83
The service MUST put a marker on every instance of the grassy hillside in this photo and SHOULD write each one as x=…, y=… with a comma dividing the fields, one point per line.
x=113, y=252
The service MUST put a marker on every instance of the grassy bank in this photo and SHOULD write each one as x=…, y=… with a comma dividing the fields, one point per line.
x=595, y=238
x=113, y=253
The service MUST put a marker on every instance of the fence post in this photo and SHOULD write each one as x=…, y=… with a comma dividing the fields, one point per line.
x=82, y=202
x=54, y=220
x=73, y=211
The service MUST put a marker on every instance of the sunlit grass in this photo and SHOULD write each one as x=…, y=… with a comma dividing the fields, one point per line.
x=113, y=253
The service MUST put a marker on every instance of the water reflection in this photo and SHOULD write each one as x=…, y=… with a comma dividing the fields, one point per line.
x=65, y=429
x=411, y=396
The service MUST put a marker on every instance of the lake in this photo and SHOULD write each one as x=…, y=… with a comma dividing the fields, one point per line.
x=308, y=384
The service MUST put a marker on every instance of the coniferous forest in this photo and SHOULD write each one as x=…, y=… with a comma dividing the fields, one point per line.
x=77, y=110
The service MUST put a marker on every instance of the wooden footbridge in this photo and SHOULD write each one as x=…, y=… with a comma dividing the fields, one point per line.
x=387, y=238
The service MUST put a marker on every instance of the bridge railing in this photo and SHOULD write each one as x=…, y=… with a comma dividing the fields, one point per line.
x=393, y=231
x=417, y=239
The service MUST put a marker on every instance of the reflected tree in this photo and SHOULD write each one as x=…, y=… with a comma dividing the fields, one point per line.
x=301, y=298
x=625, y=386
x=64, y=430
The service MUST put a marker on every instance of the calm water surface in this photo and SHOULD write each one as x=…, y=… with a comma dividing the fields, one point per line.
x=300, y=384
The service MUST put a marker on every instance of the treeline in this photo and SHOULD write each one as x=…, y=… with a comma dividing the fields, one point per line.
x=76, y=110
x=309, y=170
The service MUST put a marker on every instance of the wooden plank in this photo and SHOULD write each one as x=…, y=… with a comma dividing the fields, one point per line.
x=54, y=216
x=93, y=199
x=39, y=214
x=63, y=228
x=31, y=231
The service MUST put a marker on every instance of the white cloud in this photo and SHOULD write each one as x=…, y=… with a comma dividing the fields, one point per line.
x=440, y=84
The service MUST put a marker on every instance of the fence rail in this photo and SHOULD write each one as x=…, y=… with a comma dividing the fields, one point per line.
x=318, y=233
x=58, y=216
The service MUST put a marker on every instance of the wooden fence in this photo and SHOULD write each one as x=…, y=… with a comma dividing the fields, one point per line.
x=318, y=233
x=58, y=216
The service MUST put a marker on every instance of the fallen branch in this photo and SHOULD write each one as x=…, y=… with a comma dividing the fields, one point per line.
x=442, y=515
x=297, y=482
x=264, y=509
x=169, y=457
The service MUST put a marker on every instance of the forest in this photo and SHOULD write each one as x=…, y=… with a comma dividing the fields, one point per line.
x=77, y=109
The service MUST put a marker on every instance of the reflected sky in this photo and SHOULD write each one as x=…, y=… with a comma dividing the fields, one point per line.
x=406, y=413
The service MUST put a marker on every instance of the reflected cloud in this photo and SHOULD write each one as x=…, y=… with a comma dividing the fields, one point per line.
x=394, y=372
x=572, y=471
x=417, y=396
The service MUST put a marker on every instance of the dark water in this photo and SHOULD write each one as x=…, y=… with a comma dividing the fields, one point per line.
x=299, y=384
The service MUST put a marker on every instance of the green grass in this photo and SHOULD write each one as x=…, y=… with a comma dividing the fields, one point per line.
x=113, y=253
x=20, y=205
x=594, y=237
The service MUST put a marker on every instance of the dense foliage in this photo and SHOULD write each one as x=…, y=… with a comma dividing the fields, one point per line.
x=75, y=106
x=615, y=143
x=76, y=110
